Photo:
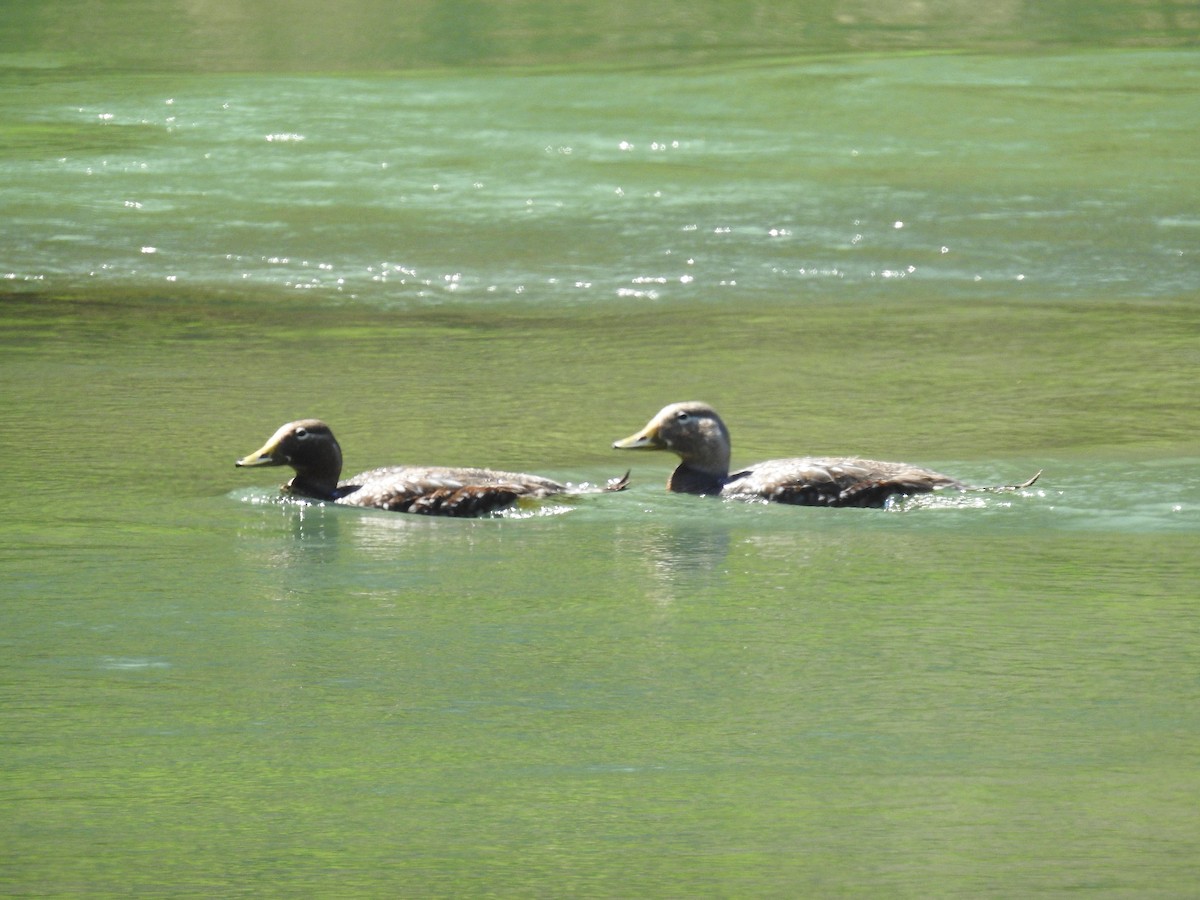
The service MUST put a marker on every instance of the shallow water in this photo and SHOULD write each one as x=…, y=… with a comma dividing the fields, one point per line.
x=983, y=262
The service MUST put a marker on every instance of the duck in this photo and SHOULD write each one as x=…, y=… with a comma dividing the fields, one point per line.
x=310, y=449
x=696, y=434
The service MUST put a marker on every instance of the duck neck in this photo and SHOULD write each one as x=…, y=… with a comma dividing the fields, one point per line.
x=313, y=486
x=689, y=480
x=317, y=472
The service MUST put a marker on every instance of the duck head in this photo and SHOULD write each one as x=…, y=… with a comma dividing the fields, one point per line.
x=309, y=447
x=695, y=433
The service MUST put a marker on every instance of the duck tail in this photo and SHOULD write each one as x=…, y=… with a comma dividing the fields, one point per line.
x=1004, y=488
x=619, y=484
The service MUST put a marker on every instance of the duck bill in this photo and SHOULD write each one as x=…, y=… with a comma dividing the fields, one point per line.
x=646, y=439
x=264, y=456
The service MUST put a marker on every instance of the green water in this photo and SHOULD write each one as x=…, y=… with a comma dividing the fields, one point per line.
x=983, y=262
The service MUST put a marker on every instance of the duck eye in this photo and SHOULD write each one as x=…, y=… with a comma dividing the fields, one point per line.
x=682, y=416
x=301, y=432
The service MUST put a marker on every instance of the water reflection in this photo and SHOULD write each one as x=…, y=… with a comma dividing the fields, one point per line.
x=680, y=558
x=290, y=533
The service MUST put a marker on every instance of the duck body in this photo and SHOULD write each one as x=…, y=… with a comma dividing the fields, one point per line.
x=440, y=491
x=833, y=481
x=310, y=449
x=695, y=433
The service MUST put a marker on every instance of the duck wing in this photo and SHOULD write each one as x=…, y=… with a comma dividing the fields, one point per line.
x=839, y=481
x=434, y=491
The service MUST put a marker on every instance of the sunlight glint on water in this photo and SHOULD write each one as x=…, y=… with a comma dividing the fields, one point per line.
x=319, y=196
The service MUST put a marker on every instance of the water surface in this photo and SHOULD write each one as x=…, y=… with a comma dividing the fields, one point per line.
x=511, y=248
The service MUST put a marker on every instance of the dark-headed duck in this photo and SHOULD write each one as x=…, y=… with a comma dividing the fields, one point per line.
x=310, y=448
x=696, y=434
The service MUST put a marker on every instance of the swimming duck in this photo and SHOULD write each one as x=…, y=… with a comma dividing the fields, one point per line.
x=696, y=434
x=310, y=448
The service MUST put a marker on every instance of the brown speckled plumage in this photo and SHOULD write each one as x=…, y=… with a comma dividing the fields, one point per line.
x=696, y=434
x=309, y=447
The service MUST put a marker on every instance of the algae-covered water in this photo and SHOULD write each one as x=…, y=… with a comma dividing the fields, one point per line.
x=507, y=238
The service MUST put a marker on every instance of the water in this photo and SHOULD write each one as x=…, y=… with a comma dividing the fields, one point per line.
x=983, y=262
x=586, y=187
